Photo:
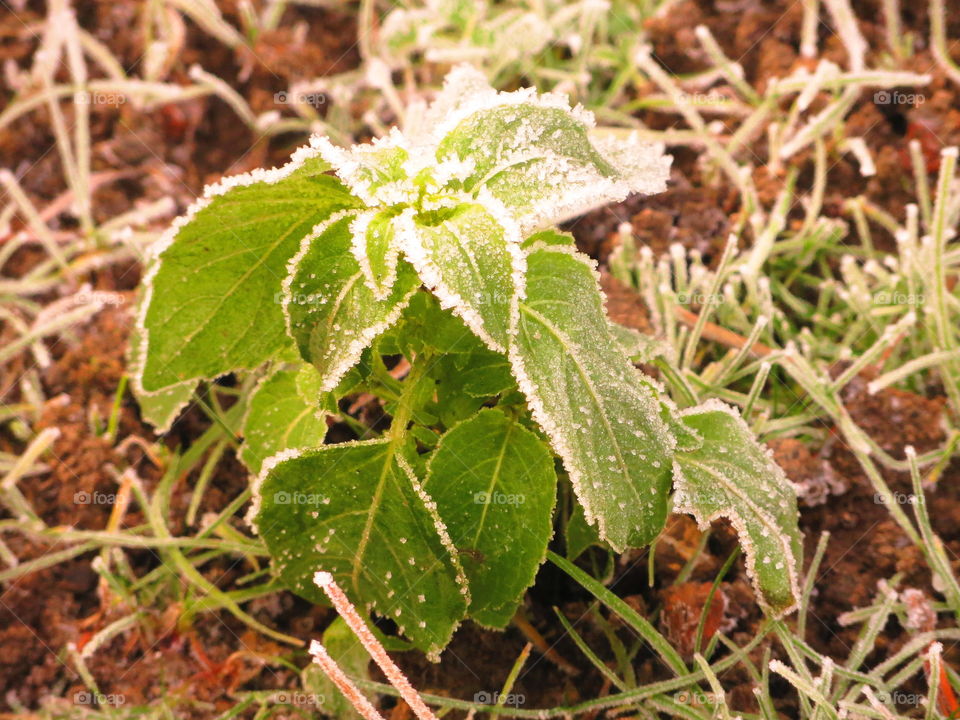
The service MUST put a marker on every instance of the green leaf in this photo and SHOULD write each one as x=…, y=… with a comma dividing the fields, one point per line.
x=356, y=511
x=376, y=251
x=732, y=476
x=579, y=534
x=601, y=414
x=424, y=324
x=472, y=262
x=466, y=381
x=549, y=237
x=280, y=416
x=495, y=487
x=333, y=315
x=213, y=303
x=536, y=154
x=160, y=407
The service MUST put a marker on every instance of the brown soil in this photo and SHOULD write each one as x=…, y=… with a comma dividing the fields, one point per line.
x=175, y=150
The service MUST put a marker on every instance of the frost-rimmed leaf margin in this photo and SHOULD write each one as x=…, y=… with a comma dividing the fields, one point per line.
x=530, y=455
x=410, y=238
x=212, y=192
x=638, y=167
x=560, y=438
x=248, y=453
x=379, y=284
x=330, y=379
x=393, y=455
x=160, y=408
x=789, y=542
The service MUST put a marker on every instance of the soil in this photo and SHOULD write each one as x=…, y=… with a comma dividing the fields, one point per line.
x=173, y=151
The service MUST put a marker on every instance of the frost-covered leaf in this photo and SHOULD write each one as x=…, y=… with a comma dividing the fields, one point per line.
x=601, y=414
x=331, y=313
x=472, y=262
x=161, y=407
x=376, y=251
x=425, y=325
x=375, y=172
x=466, y=382
x=495, y=487
x=550, y=237
x=536, y=154
x=357, y=511
x=280, y=416
x=732, y=476
x=212, y=302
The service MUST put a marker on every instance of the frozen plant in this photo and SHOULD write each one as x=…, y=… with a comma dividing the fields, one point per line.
x=436, y=247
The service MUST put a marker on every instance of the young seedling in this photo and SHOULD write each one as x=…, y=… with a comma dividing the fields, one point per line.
x=437, y=245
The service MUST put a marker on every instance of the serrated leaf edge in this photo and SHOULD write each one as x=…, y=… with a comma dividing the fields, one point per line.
x=460, y=577
x=261, y=381
x=413, y=249
x=683, y=505
x=485, y=97
x=439, y=525
x=553, y=508
x=333, y=376
x=647, y=173
x=210, y=193
x=535, y=403
x=359, y=230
